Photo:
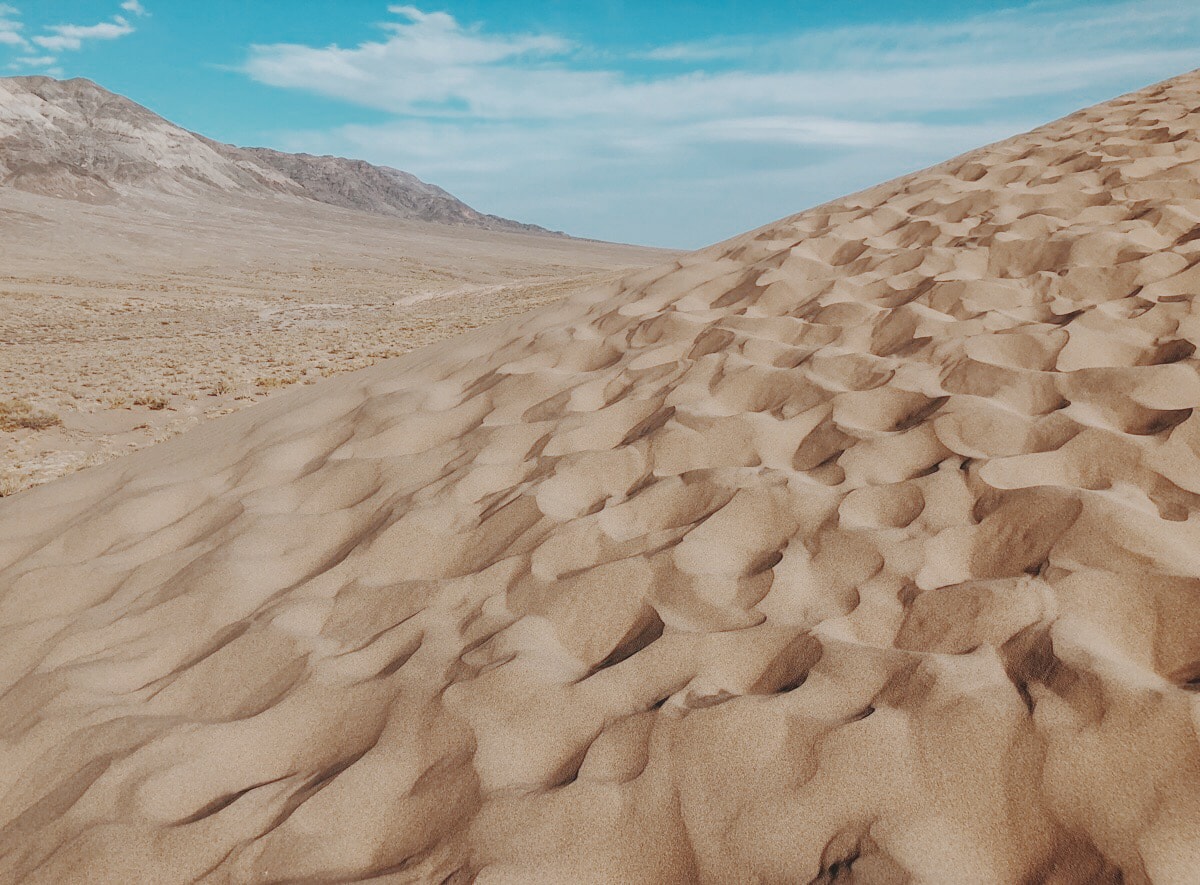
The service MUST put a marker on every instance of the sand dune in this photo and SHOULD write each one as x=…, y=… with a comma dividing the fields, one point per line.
x=860, y=548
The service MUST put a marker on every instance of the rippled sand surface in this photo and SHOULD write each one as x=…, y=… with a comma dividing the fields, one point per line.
x=862, y=548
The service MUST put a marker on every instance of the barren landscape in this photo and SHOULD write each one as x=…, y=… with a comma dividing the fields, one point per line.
x=859, y=548
x=128, y=318
x=131, y=330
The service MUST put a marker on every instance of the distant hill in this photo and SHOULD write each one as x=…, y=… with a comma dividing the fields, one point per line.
x=76, y=140
x=357, y=184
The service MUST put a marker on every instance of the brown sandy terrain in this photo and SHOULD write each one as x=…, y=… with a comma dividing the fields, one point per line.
x=133, y=325
x=862, y=548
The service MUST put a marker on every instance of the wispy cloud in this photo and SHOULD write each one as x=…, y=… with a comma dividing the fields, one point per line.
x=10, y=27
x=39, y=52
x=33, y=61
x=1022, y=31
x=70, y=37
x=429, y=64
x=536, y=125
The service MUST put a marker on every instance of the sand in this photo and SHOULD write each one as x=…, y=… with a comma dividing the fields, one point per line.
x=860, y=548
x=134, y=322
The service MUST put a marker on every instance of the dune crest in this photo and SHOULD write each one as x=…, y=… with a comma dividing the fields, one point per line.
x=862, y=547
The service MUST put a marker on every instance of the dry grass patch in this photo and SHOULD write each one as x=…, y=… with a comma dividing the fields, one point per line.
x=269, y=382
x=16, y=414
x=155, y=402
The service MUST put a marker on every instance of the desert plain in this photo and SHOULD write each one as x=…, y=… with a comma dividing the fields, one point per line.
x=127, y=327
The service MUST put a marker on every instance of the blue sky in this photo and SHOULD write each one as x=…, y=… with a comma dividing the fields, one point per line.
x=668, y=123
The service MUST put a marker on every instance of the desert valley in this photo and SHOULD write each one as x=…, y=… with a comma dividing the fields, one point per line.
x=861, y=547
x=153, y=279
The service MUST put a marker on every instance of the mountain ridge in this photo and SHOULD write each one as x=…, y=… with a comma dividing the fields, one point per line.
x=74, y=139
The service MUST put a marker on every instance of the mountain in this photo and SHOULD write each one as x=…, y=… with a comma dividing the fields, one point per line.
x=356, y=184
x=864, y=547
x=76, y=140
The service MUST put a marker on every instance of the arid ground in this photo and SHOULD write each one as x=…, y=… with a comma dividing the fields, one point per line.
x=121, y=327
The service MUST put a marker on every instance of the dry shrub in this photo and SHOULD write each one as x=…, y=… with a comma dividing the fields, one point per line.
x=19, y=413
x=268, y=382
x=155, y=402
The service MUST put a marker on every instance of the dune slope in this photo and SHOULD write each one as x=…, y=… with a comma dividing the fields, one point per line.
x=863, y=548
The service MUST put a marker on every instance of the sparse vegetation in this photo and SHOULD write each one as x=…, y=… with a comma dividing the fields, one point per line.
x=270, y=382
x=17, y=414
x=155, y=402
x=236, y=334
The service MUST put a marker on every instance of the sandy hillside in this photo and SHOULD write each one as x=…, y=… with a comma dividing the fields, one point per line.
x=862, y=548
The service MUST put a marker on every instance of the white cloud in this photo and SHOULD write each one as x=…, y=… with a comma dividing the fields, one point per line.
x=40, y=52
x=57, y=44
x=835, y=132
x=512, y=120
x=430, y=65
x=33, y=61
x=70, y=37
x=687, y=52
x=10, y=27
x=426, y=59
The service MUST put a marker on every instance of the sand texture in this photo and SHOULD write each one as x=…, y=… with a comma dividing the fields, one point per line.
x=861, y=548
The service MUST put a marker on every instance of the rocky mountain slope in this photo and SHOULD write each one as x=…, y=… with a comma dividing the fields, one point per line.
x=381, y=190
x=76, y=140
x=862, y=548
